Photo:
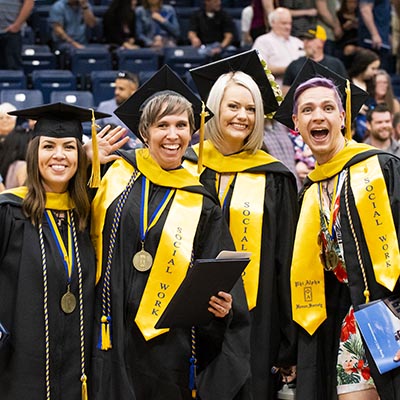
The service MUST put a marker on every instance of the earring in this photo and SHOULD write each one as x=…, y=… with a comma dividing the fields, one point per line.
x=342, y=127
x=296, y=129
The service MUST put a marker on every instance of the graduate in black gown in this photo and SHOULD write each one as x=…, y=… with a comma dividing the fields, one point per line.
x=346, y=250
x=150, y=220
x=47, y=264
x=259, y=199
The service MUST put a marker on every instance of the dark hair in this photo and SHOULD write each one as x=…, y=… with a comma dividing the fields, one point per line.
x=379, y=108
x=13, y=148
x=318, y=81
x=360, y=61
x=129, y=76
x=35, y=200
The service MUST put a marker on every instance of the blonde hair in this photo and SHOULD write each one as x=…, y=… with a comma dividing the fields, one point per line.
x=212, y=128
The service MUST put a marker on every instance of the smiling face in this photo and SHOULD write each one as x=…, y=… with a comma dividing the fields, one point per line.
x=58, y=162
x=236, y=117
x=319, y=121
x=380, y=126
x=168, y=139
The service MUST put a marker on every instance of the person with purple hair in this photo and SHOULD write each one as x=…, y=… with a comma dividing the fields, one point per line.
x=350, y=203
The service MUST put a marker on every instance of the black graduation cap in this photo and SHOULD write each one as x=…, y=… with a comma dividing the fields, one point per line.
x=312, y=69
x=247, y=62
x=59, y=120
x=165, y=79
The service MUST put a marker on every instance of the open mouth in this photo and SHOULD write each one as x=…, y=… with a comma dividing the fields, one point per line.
x=58, y=167
x=319, y=134
x=171, y=147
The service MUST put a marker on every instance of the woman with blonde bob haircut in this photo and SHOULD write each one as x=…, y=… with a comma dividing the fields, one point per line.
x=213, y=131
x=258, y=197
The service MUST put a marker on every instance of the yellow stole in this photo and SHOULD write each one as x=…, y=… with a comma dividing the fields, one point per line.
x=54, y=201
x=307, y=272
x=246, y=209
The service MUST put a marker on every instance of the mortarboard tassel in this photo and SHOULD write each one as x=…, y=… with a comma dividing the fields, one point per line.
x=94, y=181
x=348, y=134
x=105, y=340
x=203, y=116
x=84, y=387
x=192, y=377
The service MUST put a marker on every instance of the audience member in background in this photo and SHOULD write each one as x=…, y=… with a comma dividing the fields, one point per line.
x=328, y=19
x=246, y=40
x=374, y=29
x=380, y=130
x=382, y=91
x=7, y=122
x=348, y=43
x=69, y=20
x=119, y=24
x=364, y=66
x=314, y=45
x=303, y=157
x=259, y=23
x=211, y=29
x=157, y=25
x=12, y=158
x=277, y=47
x=278, y=144
x=304, y=15
x=13, y=15
x=396, y=126
x=126, y=83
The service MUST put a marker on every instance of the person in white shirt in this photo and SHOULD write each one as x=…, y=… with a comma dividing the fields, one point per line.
x=277, y=47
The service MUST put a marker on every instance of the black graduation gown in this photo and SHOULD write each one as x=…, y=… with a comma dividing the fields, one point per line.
x=159, y=368
x=22, y=361
x=317, y=354
x=273, y=334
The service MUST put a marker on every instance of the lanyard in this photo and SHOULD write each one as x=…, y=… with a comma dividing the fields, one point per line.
x=145, y=223
x=67, y=257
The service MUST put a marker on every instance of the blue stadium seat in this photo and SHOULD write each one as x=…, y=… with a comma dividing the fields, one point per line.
x=36, y=57
x=50, y=80
x=145, y=75
x=91, y=58
x=81, y=98
x=12, y=79
x=22, y=98
x=137, y=60
x=103, y=85
x=182, y=58
x=396, y=84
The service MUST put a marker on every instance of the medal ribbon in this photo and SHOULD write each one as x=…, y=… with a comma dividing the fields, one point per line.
x=171, y=261
x=145, y=223
x=246, y=212
x=307, y=273
x=67, y=257
x=373, y=206
x=334, y=207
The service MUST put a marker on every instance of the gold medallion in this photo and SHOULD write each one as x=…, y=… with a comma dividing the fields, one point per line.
x=68, y=302
x=142, y=261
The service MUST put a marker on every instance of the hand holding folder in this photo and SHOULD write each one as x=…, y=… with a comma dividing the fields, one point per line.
x=205, y=279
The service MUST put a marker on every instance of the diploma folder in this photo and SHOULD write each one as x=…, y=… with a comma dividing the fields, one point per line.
x=206, y=278
x=379, y=324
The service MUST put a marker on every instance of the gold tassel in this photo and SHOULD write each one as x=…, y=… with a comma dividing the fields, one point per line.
x=84, y=387
x=203, y=116
x=348, y=134
x=194, y=393
x=105, y=334
x=94, y=181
